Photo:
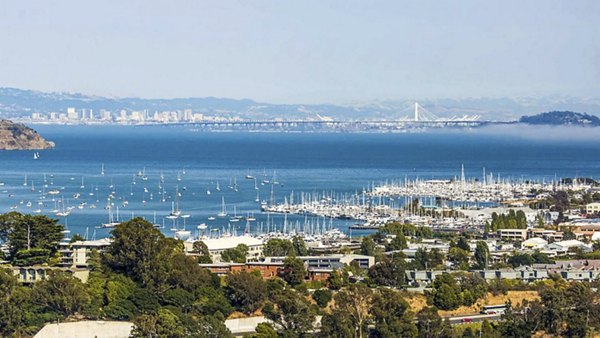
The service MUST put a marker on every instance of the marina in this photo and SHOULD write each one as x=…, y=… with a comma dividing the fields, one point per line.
x=195, y=184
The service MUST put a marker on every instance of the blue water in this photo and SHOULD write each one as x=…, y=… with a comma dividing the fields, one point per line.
x=339, y=162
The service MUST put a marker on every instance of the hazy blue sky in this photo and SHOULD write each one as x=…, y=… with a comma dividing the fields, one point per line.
x=302, y=51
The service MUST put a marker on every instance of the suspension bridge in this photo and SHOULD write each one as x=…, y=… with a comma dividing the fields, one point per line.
x=416, y=116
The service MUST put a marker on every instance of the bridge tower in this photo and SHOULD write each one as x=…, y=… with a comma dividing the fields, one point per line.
x=416, y=111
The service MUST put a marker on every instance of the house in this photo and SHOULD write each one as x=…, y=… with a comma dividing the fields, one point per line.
x=36, y=273
x=84, y=329
x=563, y=247
x=422, y=277
x=534, y=243
x=216, y=246
x=592, y=208
x=267, y=270
x=332, y=261
x=549, y=235
x=76, y=254
x=512, y=234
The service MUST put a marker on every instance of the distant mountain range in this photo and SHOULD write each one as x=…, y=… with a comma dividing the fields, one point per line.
x=562, y=118
x=15, y=103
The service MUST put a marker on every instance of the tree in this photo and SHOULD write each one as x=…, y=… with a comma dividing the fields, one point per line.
x=200, y=248
x=11, y=314
x=488, y=331
x=482, y=255
x=185, y=272
x=141, y=251
x=235, y=255
x=518, y=259
x=291, y=312
x=278, y=247
x=264, y=330
x=26, y=257
x=367, y=246
x=206, y=327
x=431, y=325
x=338, y=324
x=392, y=318
x=389, y=272
x=246, y=291
x=398, y=242
x=356, y=301
x=445, y=292
x=299, y=246
x=421, y=260
x=210, y=301
x=162, y=324
x=293, y=270
x=463, y=244
x=338, y=279
x=27, y=232
x=60, y=293
x=459, y=258
x=322, y=297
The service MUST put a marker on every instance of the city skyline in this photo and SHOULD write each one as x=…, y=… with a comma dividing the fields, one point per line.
x=335, y=52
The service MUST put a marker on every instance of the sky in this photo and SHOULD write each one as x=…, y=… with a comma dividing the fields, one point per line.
x=310, y=51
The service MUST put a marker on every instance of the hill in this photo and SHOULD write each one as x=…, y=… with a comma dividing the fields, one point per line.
x=562, y=118
x=16, y=136
x=18, y=103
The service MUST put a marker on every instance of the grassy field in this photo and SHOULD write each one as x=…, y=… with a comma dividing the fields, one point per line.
x=419, y=301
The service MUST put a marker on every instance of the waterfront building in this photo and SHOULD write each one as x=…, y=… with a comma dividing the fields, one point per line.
x=76, y=254
x=216, y=246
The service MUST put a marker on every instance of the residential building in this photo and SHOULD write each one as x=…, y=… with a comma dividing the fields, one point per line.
x=592, y=208
x=563, y=247
x=76, y=254
x=332, y=261
x=534, y=243
x=216, y=246
x=36, y=273
x=512, y=234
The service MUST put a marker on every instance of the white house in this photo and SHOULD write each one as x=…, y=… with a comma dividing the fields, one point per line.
x=564, y=246
x=216, y=246
x=534, y=243
x=76, y=254
x=592, y=208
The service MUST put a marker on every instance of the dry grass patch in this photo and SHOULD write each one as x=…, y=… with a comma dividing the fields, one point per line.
x=419, y=301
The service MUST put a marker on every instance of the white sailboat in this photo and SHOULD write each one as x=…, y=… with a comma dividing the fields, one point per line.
x=223, y=212
x=235, y=217
x=183, y=234
x=36, y=155
x=111, y=221
x=175, y=205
